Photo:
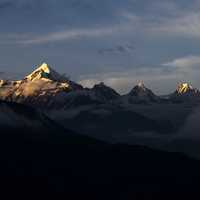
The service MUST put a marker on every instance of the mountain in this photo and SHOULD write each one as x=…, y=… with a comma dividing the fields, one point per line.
x=43, y=88
x=45, y=72
x=187, y=89
x=185, y=92
x=46, y=89
x=99, y=94
x=104, y=92
x=184, y=88
x=140, y=94
x=81, y=98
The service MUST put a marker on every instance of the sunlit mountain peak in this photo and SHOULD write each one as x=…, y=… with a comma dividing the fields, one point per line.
x=45, y=67
x=44, y=87
x=140, y=93
x=141, y=83
x=184, y=88
x=2, y=82
x=44, y=71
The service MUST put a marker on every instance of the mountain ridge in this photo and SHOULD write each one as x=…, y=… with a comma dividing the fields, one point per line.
x=46, y=88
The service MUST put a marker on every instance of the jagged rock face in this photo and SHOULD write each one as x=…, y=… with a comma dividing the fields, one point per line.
x=142, y=94
x=2, y=82
x=184, y=88
x=185, y=93
x=44, y=87
x=45, y=72
x=99, y=94
x=104, y=92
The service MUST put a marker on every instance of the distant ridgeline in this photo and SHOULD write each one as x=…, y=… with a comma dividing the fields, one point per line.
x=45, y=88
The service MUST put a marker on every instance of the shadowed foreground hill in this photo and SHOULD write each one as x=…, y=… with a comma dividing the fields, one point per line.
x=56, y=161
x=73, y=165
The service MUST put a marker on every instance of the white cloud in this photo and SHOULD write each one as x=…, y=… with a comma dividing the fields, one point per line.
x=174, y=21
x=72, y=34
x=187, y=68
x=184, y=25
x=131, y=17
x=185, y=63
x=128, y=23
x=123, y=82
x=177, y=23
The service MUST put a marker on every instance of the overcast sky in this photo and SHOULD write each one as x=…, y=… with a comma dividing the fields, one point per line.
x=119, y=42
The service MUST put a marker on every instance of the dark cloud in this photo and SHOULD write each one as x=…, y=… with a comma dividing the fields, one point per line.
x=119, y=49
x=45, y=15
x=6, y=5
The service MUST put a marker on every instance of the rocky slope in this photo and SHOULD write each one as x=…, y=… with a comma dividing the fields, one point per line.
x=44, y=87
x=140, y=94
x=185, y=93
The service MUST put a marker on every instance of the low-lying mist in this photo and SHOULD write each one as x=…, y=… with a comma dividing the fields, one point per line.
x=186, y=139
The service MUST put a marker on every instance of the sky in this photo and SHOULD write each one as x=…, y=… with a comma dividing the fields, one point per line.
x=119, y=42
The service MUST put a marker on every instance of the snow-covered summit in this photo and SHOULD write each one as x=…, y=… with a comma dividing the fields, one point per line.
x=139, y=94
x=45, y=72
x=44, y=87
x=140, y=90
x=184, y=88
x=141, y=85
x=185, y=93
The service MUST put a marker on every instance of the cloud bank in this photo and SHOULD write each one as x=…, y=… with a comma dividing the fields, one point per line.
x=123, y=82
x=186, y=63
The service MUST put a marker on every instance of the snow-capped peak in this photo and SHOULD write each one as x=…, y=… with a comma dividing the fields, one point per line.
x=185, y=92
x=184, y=88
x=140, y=93
x=45, y=72
x=45, y=67
x=141, y=84
x=2, y=82
x=140, y=88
